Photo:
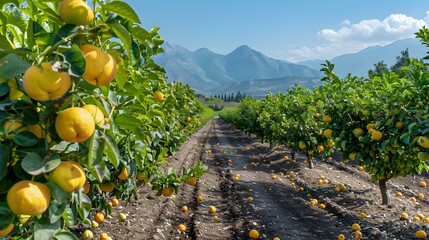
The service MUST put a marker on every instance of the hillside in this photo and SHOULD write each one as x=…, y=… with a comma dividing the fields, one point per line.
x=205, y=70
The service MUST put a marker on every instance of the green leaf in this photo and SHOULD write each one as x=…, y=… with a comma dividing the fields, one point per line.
x=74, y=57
x=111, y=151
x=6, y=216
x=122, y=33
x=4, y=89
x=18, y=18
x=4, y=159
x=25, y=139
x=31, y=117
x=58, y=194
x=140, y=34
x=123, y=10
x=47, y=40
x=34, y=165
x=64, y=235
x=128, y=122
x=56, y=210
x=12, y=65
x=121, y=77
x=95, y=156
x=46, y=231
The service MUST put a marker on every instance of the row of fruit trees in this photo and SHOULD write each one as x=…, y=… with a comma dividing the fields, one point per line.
x=382, y=122
x=86, y=114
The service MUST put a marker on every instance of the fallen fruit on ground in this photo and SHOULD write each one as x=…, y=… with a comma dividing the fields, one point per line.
x=28, y=198
x=254, y=234
x=87, y=234
x=184, y=209
x=420, y=234
x=212, y=209
x=122, y=217
x=355, y=227
x=99, y=217
x=181, y=227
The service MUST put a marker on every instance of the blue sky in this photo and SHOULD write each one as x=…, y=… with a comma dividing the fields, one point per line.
x=283, y=29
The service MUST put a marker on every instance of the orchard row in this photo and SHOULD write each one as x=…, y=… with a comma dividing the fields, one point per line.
x=381, y=122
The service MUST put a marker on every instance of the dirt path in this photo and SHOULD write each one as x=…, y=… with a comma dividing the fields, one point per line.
x=254, y=187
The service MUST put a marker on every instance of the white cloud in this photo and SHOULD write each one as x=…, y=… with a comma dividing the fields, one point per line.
x=357, y=36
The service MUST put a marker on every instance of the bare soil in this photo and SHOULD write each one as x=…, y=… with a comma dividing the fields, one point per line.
x=281, y=189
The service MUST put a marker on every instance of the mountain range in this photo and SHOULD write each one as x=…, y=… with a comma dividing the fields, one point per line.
x=250, y=71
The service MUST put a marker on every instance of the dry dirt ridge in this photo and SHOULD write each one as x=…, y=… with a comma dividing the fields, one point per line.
x=280, y=190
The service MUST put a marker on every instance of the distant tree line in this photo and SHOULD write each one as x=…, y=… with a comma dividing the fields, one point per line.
x=230, y=97
x=381, y=68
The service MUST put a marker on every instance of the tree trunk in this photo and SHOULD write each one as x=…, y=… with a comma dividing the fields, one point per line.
x=292, y=154
x=384, y=191
x=272, y=145
x=310, y=161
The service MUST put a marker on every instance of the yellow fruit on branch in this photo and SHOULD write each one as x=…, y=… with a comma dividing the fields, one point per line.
x=159, y=96
x=100, y=67
x=376, y=135
x=12, y=127
x=96, y=114
x=76, y=12
x=399, y=125
x=423, y=141
x=28, y=198
x=45, y=84
x=188, y=119
x=69, y=176
x=166, y=192
x=358, y=131
x=141, y=175
x=192, y=181
x=107, y=186
x=74, y=125
x=327, y=132
x=326, y=118
x=86, y=187
x=301, y=145
x=124, y=174
x=320, y=148
x=6, y=231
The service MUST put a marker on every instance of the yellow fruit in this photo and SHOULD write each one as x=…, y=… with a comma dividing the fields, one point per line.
x=94, y=224
x=184, y=209
x=141, y=176
x=420, y=234
x=192, y=181
x=326, y=118
x=45, y=84
x=188, y=119
x=341, y=237
x=352, y=156
x=124, y=174
x=15, y=92
x=357, y=234
x=28, y=198
x=6, y=231
x=69, y=176
x=398, y=194
x=159, y=96
x=322, y=206
x=404, y=216
x=212, y=209
x=115, y=202
x=76, y=12
x=107, y=186
x=200, y=198
x=38, y=131
x=12, y=127
x=320, y=148
x=86, y=187
x=100, y=66
x=301, y=145
x=362, y=215
x=166, y=192
x=360, y=168
x=358, y=131
x=370, y=126
x=23, y=218
x=104, y=236
x=122, y=217
x=96, y=114
x=181, y=227
x=254, y=234
x=87, y=234
x=74, y=125
x=376, y=135
x=399, y=125
x=422, y=184
x=420, y=195
x=327, y=132
x=99, y=217
x=215, y=217
x=416, y=219
x=355, y=227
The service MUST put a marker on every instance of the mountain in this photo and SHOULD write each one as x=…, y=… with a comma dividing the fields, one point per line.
x=359, y=63
x=260, y=87
x=205, y=70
